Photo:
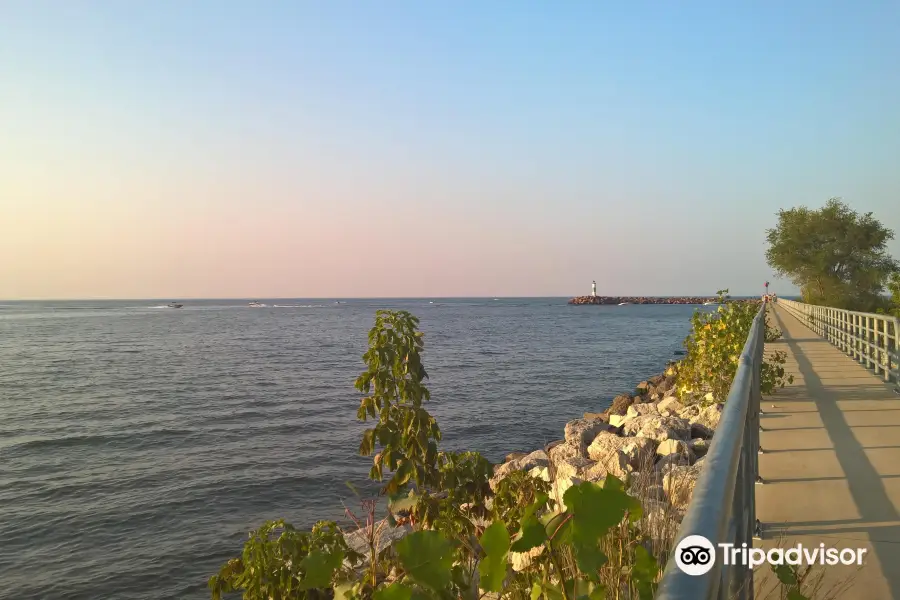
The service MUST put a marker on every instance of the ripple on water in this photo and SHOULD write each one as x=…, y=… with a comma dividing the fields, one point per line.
x=138, y=446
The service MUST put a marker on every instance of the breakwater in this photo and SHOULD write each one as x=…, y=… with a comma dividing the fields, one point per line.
x=612, y=300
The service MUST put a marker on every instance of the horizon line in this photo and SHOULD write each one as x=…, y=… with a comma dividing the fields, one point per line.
x=186, y=298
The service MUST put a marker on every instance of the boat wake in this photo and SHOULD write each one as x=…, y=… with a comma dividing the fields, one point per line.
x=298, y=306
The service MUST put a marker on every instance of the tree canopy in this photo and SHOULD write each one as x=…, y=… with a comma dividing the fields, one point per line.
x=894, y=289
x=836, y=256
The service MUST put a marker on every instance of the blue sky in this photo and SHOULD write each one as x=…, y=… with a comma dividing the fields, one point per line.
x=203, y=149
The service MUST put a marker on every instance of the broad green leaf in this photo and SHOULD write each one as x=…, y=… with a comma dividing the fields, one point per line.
x=644, y=573
x=395, y=591
x=531, y=535
x=795, y=594
x=495, y=543
x=535, y=591
x=595, y=510
x=427, y=557
x=320, y=567
x=558, y=527
x=531, y=532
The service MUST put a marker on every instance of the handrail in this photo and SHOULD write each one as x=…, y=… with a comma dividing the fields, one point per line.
x=871, y=339
x=723, y=505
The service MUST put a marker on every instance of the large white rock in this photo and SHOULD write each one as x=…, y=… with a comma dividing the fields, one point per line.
x=669, y=406
x=606, y=444
x=565, y=450
x=575, y=466
x=640, y=453
x=690, y=412
x=522, y=560
x=710, y=416
x=536, y=460
x=679, y=482
x=680, y=447
x=658, y=427
x=583, y=431
x=619, y=420
x=639, y=410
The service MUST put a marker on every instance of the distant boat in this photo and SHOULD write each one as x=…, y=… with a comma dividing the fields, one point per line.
x=174, y=305
x=256, y=304
x=624, y=303
x=709, y=303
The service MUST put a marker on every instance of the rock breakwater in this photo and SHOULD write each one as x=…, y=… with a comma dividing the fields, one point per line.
x=608, y=300
x=647, y=438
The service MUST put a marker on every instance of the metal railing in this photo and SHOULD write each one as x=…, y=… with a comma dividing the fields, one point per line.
x=723, y=505
x=869, y=338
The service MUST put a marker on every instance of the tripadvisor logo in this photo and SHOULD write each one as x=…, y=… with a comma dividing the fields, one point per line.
x=696, y=555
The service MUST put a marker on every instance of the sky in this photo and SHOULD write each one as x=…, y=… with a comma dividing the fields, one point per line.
x=207, y=149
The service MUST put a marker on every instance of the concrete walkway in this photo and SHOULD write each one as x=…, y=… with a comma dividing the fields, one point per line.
x=831, y=466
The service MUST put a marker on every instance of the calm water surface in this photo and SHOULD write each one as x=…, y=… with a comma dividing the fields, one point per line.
x=139, y=444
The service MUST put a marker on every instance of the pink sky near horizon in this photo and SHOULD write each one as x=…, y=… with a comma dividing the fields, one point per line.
x=302, y=150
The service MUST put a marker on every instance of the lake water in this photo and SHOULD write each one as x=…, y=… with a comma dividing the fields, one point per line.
x=139, y=444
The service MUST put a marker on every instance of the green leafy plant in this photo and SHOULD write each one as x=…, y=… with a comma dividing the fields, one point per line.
x=791, y=580
x=281, y=562
x=406, y=432
x=714, y=346
x=515, y=494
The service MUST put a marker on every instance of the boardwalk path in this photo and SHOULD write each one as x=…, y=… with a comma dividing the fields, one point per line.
x=832, y=462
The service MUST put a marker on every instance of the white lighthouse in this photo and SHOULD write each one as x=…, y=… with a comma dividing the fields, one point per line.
x=594, y=290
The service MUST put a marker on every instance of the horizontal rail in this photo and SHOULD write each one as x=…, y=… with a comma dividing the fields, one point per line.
x=871, y=339
x=723, y=505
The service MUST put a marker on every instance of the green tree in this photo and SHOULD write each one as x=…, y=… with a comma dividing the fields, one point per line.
x=894, y=289
x=836, y=256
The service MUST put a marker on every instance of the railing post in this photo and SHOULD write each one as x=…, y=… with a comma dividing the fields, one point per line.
x=872, y=340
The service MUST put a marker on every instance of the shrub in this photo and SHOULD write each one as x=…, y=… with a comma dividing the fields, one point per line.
x=714, y=346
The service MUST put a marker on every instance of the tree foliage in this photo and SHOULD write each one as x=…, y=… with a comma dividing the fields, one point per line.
x=894, y=289
x=836, y=256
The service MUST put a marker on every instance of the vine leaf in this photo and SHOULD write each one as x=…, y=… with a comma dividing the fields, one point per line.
x=395, y=591
x=320, y=567
x=427, y=557
x=595, y=510
x=531, y=532
x=495, y=542
x=644, y=573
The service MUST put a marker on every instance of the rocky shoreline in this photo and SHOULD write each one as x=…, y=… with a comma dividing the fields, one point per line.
x=612, y=300
x=648, y=437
